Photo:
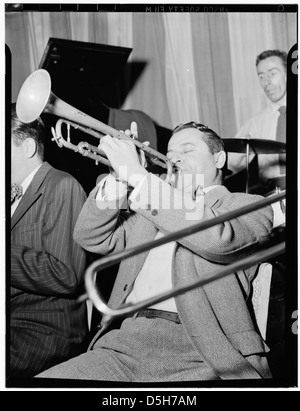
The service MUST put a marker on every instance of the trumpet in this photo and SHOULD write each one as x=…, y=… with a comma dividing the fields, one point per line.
x=35, y=97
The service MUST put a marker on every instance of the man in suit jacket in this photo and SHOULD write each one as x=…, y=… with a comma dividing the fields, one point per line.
x=205, y=334
x=47, y=325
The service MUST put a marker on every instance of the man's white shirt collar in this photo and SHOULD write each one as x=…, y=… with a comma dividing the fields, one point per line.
x=29, y=178
x=25, y=184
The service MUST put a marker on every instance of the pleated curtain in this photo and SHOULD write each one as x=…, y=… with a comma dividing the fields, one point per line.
x=196, y=66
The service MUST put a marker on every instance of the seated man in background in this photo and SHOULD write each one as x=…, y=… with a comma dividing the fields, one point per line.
x=269, y=124
x=206, y=334
x=47, y=324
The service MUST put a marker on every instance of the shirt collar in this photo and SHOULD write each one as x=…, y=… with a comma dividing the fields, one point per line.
x=25, y=183
x=206, y=190
x=275, y=106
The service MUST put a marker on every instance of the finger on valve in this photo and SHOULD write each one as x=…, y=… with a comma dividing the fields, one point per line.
x=134, y=130
x=143, y=158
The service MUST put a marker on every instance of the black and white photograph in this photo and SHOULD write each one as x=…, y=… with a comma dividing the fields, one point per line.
x=151, y=238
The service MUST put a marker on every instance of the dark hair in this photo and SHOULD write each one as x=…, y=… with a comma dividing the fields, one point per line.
x=214, y=142
x=271, y=53
x=21, y=131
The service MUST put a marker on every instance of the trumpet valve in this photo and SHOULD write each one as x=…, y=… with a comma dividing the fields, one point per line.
x=83, y=148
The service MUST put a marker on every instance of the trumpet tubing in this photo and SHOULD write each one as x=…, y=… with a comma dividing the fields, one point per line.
x=35, y=97
x=84, y=148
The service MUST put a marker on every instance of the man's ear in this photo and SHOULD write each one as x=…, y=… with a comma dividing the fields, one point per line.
x=30, y=147
x=220, y=159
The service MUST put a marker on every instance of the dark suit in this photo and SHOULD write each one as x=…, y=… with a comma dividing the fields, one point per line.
x=47, y=325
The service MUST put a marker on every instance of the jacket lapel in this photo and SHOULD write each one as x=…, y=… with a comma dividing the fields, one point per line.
x=31, y=195
x=212, y=196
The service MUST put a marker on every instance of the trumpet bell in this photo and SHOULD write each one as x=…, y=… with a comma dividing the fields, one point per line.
x=33, y=96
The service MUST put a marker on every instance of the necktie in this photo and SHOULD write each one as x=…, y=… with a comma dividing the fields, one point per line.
x=16, y=192
x=281, y=136
x=281, y=125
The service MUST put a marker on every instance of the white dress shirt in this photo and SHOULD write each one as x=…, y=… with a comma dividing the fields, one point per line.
x=155, y=276
x=24, y=185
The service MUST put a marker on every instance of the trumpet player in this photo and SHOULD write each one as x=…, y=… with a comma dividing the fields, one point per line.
x=206, y=334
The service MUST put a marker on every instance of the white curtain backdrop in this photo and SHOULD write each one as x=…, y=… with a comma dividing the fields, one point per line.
x=196, y=66
x=180, y=68
x=255, y=32
x=121, y=30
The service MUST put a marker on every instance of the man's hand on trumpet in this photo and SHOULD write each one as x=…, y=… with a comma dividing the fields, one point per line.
x=127, y=164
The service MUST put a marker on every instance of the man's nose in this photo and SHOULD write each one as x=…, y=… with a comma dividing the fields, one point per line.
x=266, y=81
x=176, y=159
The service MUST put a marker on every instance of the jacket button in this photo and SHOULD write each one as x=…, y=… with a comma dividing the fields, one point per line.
x=125, y=287
x=154, y=212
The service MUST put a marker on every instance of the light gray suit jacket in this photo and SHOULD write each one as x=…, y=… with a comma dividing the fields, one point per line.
x=215, y=316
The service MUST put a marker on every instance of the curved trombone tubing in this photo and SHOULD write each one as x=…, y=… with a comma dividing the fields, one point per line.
x=129, y=309
x=108, y=313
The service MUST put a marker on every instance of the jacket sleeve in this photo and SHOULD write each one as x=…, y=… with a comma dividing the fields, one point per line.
x=103, y=227
x=46, y=259
x=169, y=211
